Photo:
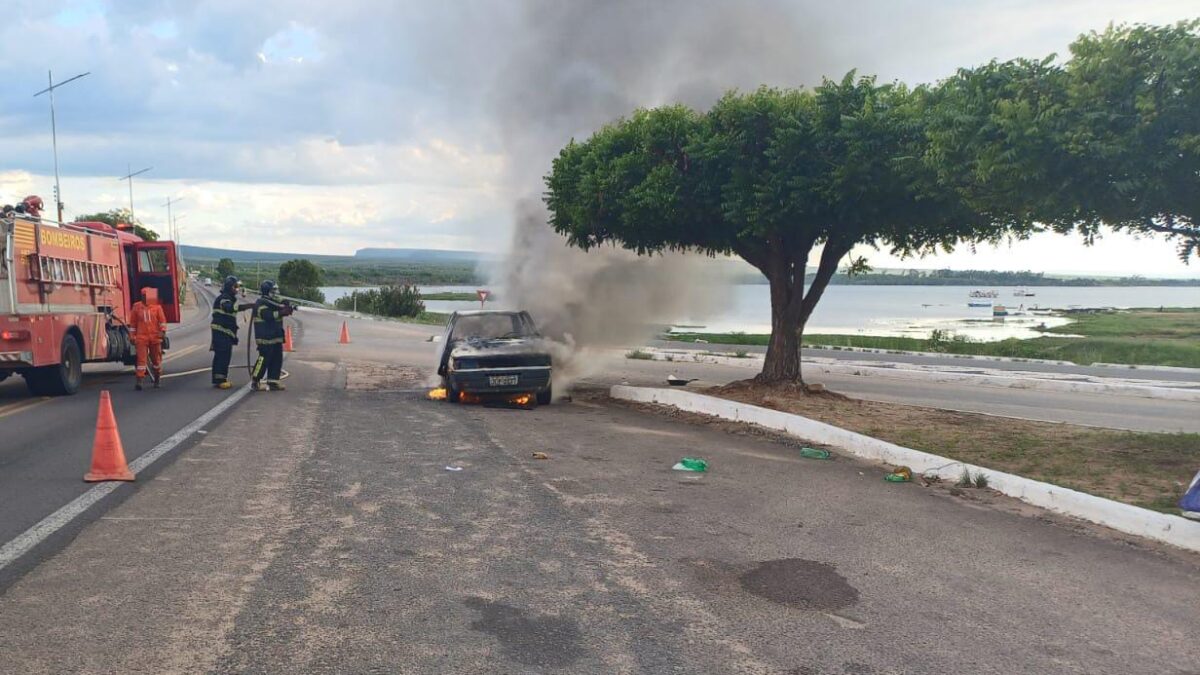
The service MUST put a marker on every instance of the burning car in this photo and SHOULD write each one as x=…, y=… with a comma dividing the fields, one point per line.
x=489, y=353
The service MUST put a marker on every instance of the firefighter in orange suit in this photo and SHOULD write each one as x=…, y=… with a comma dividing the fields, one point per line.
x=148, y=324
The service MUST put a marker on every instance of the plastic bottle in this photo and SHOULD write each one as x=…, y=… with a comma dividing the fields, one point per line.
x=691, y=464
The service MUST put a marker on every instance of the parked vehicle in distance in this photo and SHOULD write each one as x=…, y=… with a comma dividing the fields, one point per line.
x=487, y=353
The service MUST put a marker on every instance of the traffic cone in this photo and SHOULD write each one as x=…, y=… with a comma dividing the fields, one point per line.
x=108, y=456
x=287, y=338
x=345, y=338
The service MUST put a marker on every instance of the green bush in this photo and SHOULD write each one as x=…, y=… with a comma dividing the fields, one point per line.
x=401, y=300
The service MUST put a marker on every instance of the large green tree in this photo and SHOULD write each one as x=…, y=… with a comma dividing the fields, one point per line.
x=780, y=178
x=300, y=278
x=225, y=268
x=116, y=217
x=1109, y=138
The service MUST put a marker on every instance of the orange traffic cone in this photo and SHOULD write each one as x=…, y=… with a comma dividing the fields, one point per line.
x=108, y=457
x=345, y=338
x=287, y=338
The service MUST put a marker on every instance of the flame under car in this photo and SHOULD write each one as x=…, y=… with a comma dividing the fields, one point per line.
x=491, y=354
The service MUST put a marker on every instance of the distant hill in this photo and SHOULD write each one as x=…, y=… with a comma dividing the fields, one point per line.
x=419, y=255
x=208, y=253
x=409, y=255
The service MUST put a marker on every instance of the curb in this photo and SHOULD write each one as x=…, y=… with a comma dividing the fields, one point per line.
x=1161, y=527
x=1002, y=381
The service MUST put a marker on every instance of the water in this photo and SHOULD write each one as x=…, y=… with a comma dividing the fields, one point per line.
x=906, y=311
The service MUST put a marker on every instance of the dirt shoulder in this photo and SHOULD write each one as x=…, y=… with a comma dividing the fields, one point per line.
x=1150, y=470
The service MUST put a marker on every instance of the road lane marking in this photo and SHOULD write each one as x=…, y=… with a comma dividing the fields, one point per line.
x=14, y=408
x=54, y=522
x=182, y=352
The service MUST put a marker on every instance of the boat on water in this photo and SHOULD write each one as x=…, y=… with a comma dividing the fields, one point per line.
x=979, y=304
x=999, y=311
x=983, y=294
x=1022, y=293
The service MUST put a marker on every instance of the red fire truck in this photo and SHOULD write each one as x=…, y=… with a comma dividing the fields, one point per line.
x=65, y=293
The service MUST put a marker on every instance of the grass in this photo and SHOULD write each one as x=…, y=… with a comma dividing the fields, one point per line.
x=639, y=355
x=454, y=295
x=426, y=318
x=1150, y=470
x=1170, y=337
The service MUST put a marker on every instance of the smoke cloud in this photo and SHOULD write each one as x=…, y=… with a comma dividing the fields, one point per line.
x=578, y=65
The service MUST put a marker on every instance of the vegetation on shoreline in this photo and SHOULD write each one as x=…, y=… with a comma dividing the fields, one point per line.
x=455, y=296
x=1170, y=337
x=353, y=273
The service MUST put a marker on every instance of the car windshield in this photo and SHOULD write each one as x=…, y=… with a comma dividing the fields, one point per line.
x=490, y=326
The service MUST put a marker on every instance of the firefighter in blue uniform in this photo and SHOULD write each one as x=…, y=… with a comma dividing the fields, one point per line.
x=224, y=332
x=269, y=312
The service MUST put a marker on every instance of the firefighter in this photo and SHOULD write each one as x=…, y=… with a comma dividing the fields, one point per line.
x=224, y=332
x=148, y=324
x=269, y=312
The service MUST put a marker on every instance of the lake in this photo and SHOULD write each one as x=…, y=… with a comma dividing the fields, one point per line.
x=907, y=311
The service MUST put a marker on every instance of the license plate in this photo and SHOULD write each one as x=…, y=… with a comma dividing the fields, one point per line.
x=502, y=380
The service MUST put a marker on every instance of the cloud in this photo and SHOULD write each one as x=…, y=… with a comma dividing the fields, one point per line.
x=314, y=106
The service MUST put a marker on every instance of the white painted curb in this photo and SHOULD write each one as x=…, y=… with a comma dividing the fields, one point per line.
x=1186, y=392
x=1140, y=522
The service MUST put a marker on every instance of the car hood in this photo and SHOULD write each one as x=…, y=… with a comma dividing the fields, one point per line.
x=496, y=347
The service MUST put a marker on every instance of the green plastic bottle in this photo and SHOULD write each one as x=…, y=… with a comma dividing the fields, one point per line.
x=691, y=464
x=814, y=453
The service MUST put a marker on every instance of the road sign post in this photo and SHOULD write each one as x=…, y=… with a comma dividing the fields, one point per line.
x=483, y=296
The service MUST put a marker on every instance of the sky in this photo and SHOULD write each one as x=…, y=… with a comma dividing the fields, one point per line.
x=315, y=127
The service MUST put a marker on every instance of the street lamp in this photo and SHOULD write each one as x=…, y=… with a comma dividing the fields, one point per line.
x=129, y=177
x=54, y=134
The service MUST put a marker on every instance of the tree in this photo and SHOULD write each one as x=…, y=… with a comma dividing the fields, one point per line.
x=1135, y=92
x=1110, y=138
x=300, y=278
x=225, y=268
x=116, y=217
x=772, y=177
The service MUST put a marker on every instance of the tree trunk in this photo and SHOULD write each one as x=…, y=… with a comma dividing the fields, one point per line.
x=792, y=304
x=783, y=352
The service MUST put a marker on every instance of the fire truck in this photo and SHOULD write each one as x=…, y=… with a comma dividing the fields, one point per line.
x=66, y=291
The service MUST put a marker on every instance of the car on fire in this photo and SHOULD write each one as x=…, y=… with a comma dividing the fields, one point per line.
x=488, y=353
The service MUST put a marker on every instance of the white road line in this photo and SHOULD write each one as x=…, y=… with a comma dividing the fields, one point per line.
x=35, y=535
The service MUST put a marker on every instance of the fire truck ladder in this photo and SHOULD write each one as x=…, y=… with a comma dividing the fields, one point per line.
x=78, y=273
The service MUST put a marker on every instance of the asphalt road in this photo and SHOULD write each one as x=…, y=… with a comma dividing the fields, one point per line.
x=320, y=530
x=1188, y=375
x=46, y=443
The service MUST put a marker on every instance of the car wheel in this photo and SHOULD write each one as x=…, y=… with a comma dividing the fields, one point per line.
x=544, y=397
x=451, y=392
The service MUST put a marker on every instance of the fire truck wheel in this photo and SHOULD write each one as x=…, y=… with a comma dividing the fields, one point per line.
x=62, y=379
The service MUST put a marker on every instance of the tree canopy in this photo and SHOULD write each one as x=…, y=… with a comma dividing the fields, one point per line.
x=300, y=278
x=1002, y=150
x=114, y=217
x=225, y=268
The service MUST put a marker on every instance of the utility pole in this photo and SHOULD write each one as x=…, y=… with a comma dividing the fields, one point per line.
x=129, y=177
x=172, y=234
x=54, y=134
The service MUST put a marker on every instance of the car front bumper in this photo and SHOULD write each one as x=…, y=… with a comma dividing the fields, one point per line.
x=482, y=381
